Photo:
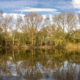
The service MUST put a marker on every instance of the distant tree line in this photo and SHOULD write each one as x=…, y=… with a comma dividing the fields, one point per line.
x=34, y=30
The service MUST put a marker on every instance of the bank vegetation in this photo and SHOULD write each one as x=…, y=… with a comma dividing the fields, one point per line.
x=34, y=31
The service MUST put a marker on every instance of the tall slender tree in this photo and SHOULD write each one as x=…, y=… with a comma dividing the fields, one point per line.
x=32, y=24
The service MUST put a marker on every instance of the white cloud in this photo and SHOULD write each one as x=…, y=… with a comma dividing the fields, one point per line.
x=76, y=3
x=14, y=15
x=78, y=11
x=38, y=10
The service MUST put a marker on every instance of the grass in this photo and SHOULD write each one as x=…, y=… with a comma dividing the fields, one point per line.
x=73, y=46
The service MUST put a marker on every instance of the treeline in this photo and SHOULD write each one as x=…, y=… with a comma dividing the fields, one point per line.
x=34, y=30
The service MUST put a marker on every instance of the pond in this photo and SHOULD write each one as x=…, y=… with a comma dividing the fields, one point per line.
x=39, y=65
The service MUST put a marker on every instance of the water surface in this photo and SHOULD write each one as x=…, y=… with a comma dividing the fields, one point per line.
x=39, y=65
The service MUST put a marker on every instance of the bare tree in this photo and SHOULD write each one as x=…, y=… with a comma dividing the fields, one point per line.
x=7, y=20
x=32, y=24
x=1, y=14
x=67, y=21
x=79, y=19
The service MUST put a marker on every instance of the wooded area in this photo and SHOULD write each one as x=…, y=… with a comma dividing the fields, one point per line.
x=34, y=30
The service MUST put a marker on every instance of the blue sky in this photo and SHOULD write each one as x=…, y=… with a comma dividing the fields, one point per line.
x=40, y=6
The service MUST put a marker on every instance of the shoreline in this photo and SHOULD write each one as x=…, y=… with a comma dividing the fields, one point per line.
x=68, y=47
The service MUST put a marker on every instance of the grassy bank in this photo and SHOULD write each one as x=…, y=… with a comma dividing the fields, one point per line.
x=73, y=46
x=69, y=47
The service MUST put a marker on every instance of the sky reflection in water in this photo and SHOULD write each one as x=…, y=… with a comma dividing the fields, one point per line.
x=39, y=65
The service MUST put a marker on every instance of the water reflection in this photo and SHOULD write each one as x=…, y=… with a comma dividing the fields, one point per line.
x=39, y=65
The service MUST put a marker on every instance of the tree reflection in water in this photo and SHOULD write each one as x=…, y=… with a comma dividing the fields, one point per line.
x=40, y=65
